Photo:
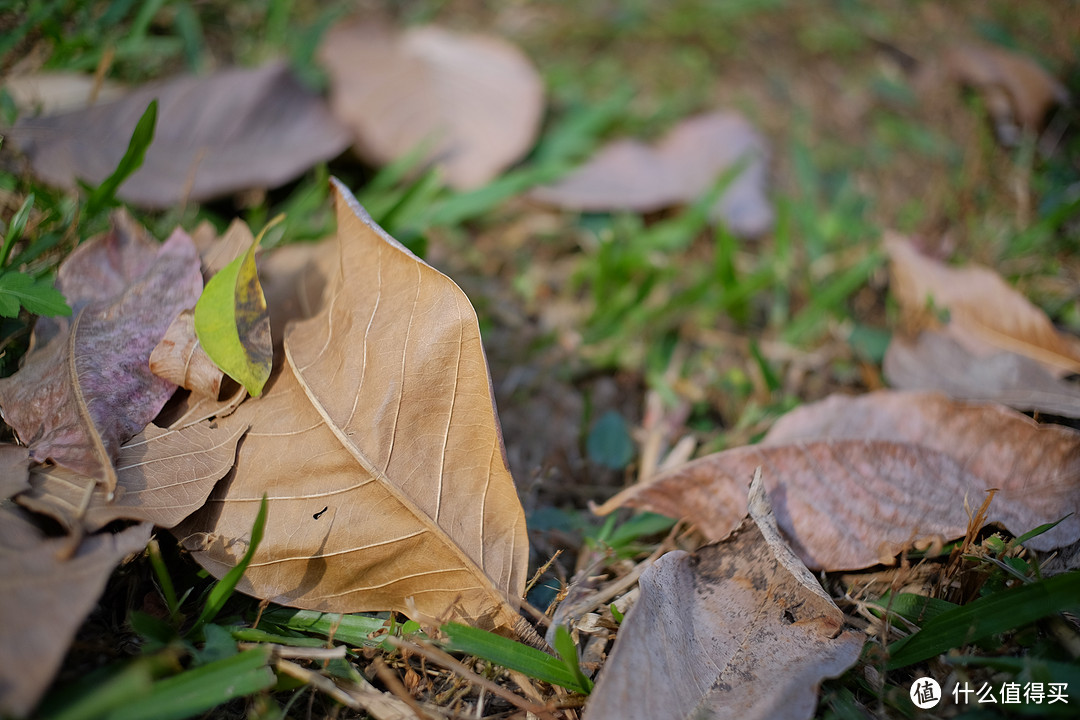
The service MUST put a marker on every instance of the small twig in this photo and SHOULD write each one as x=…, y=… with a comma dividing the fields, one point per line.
x=303, y=653
x=541, y=570
x=438, y=656
x=318, y=681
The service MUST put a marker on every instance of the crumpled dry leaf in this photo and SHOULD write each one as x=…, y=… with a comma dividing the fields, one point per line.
x=163, y=476
x=85, y=386
x=934, y=361
x=984, y=311
x=14, y=469
x=379, y=448
x=53, y=92
x=473, y=103
x=44, y=600
x=180, y=359
x=680, y=168
x=737, y=629
x=216, y=135
x=853, y=481
x=1017, y=90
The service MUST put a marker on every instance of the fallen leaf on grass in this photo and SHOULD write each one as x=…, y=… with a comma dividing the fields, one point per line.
x=85, y=386
x=1017, y=90
x=854, y=481
x=234, y=130
x=680, y=168
x=737, y=629
x=163, y=476
x=378, y=445
x=53, y=92
x=472, y=103
x=934, y=361
x=44, y=600
x=983, y=309
x=14, y=469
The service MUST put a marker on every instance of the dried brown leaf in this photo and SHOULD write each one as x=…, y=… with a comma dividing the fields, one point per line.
x=378, y=446
x=53, y=92
x=163, y=476
x=934, y=361
x=737, y=629
x=983, y=309
x=234, y=130
x=45, y=598
x=854, y=481
x=87, y=387
x=679, y=169
x=180, y=359
x=14, y=469
x=472, y=102
x=1017, y=90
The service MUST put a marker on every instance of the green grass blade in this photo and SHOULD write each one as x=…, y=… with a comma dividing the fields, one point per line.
x=349, y=629
x=104, y=196
x=564, y=645
x=513, y=655
x=1046, y=527
x=224, y=588
x=130, y=683
x=196, y=691
x=997, y=613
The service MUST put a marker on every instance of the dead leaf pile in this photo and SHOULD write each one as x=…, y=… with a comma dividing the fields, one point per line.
x=993, y=343
x=856, y=480
x=376, y=440
x=713, y=629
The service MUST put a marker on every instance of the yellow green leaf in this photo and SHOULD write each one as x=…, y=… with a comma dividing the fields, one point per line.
x=232, y=323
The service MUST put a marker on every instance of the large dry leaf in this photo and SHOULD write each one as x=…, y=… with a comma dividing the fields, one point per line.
x=234, y=130
x=44, y=599
x=14, y=469
x=46, y=93
x=680, y=168
x=379, y=448
x=854, y=481
x=738, y=629
x=87, y=388
x=934, y=361
x=163, y=476
x=473, y=103
x=1018, y=91
x=983, y=309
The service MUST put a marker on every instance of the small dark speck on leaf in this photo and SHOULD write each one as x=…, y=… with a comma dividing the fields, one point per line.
x=320, y=513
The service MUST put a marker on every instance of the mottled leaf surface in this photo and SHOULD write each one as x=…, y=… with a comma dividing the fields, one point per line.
x=219, y=134
x=680, y=168
x=472, y=103
x=853, y=481
x=379, y=448
x=85, y=386
x=163, y=476
x=44, y=599
x=737, y=629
